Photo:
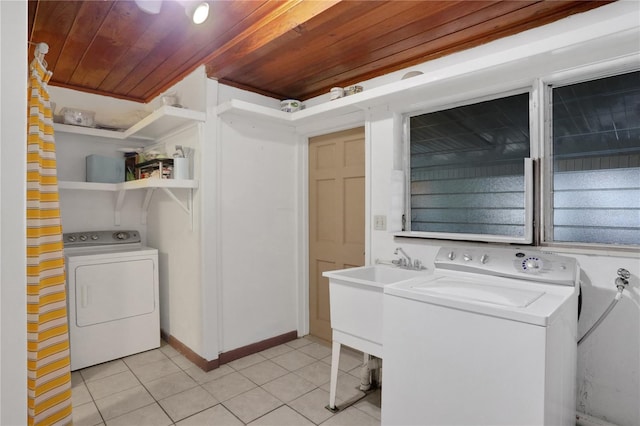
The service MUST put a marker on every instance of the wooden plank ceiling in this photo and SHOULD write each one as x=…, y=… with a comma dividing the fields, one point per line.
x=285, y=49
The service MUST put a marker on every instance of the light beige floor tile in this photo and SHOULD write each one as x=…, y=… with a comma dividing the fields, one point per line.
x=182, y=362
x=86, y=415
x=169, y=351
x=76, y=378
x=214, y=416
x=289, y=387
x=202, y=377
x=80, y=395
x=299, y=342
x=252, y=404
x=283, y=416
x=347, y=389
x=170, y=385
x=371, y=404
x=317, y=373
x=352, y=417
x=247, y=361
x=312, y=405
x=154, y=370
x=348, y=360
x=104, y=387
x=276, y=350
x=187, y=403
x=316, y=350
x=124, y=402
x=228, y=386
x=263, y=372
x=101, y=371
x=293, y=360
x=151, y=415
x=144, y=358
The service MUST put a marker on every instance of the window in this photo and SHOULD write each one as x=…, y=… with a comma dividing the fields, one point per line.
x=596, y=161
x=467, y=178
x=471, y=177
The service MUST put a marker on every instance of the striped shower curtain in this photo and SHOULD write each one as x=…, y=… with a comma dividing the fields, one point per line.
x=49, y=375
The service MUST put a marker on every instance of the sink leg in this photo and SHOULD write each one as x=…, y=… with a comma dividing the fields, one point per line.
x=335, y=360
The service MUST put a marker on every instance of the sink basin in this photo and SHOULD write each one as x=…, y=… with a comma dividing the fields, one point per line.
x=376, y=275
x=355, y=297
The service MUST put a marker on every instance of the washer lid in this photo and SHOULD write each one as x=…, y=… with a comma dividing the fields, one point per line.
x=445, y=286
x=517, y=300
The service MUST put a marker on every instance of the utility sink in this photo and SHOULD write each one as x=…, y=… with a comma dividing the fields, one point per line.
x=375, y=275
x=356, y=296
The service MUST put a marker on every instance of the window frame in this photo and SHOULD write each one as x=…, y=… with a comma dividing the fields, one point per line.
x=544, y=229
x=539, y=211
x=529, y=175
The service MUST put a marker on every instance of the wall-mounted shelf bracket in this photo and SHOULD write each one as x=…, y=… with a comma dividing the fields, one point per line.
x=118, y=208
x=145, y=205
x=167, y=185
x=187, y=207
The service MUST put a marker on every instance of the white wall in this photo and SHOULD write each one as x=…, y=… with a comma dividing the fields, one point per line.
x=257, y=230
x=13, y=140
x=170, y=230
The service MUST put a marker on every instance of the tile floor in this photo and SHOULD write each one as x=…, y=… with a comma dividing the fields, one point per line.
x=283, y=385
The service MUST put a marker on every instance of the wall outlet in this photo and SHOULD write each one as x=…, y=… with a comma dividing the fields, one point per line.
x=380, y=223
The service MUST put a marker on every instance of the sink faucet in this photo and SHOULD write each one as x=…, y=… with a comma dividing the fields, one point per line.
x=405, y=262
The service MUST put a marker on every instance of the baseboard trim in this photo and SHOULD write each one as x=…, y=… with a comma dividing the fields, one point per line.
x=253, y=348
x=189, y=353
x=225, y=357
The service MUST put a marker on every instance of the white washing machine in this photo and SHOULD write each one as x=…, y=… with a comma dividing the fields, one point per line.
x=112, y=296
x=488, y=339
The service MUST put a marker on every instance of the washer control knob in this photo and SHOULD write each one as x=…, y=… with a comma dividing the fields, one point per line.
x=83, y=238
x=451, y=255
x=94, y=237
x=467, y=257
x=484, y=258
x=71, y=238
x=121, y=236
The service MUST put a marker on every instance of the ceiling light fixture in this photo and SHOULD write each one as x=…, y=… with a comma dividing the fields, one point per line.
x=149, y=6
x=196, y=11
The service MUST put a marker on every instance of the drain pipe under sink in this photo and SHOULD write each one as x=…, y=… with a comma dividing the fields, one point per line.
x=369, y=373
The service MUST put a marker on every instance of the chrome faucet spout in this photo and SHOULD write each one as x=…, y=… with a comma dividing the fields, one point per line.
x=399, y=250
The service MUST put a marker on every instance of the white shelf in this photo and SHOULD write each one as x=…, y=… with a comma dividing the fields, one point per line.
x=359, y=102
x=161, y=122
x=150, y=184
x=125, y=186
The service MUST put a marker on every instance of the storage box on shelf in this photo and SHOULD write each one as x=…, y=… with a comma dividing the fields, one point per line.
x=148, y=169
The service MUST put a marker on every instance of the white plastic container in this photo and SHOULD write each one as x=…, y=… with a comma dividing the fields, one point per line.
x=77, y=117
x=181, y=168
x=290, y=105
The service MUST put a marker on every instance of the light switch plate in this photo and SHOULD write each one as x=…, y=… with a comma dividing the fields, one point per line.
x=380, y=222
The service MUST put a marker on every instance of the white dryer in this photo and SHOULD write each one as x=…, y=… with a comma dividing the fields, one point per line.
x=488, y=339
x=112, y=296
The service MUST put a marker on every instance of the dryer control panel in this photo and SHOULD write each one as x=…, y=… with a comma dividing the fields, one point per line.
x=517, y=263
x=100, y=238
